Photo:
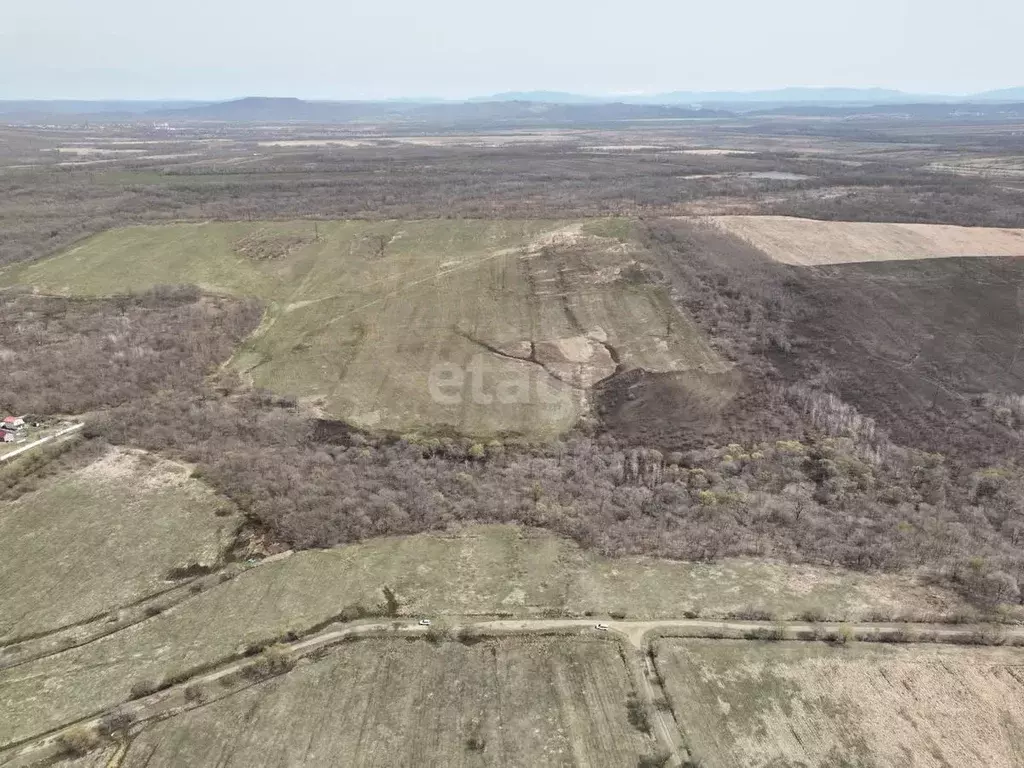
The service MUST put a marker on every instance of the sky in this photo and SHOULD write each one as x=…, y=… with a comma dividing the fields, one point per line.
x=338, y=49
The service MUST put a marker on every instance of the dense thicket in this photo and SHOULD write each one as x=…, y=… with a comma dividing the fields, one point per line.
x=819, y=483
x=841, y=495
x=60, y=355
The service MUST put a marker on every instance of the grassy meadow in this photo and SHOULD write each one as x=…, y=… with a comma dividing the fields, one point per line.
x=482, y=326
x=103, y=536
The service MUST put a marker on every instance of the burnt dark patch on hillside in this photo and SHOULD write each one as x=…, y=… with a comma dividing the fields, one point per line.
x=679, y=411
x=916, y=345
x=924, y=347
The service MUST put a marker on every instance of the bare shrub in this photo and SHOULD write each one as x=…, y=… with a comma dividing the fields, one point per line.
x=659, y=759
x=143, y=688
x=751, y=613
x=78, y=741
x=638, y=714
x=116, y=723
x=275, y=660
x=439, y=632
x=194, y=694
x=813, y=614
x=770, y=634
x=104, y=352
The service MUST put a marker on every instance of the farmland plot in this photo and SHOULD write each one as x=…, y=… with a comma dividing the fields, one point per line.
x=482, y=326
x=103, y=536
x=809, y=242
x=529, y=702
x=744, y=704
x=482, y=571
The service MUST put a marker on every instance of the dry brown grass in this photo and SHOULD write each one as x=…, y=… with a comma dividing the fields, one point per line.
x=546, y=702
x=745, y=704
x=101, y=537
x=809, y=242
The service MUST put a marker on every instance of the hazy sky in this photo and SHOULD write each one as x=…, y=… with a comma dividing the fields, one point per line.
x=207, y=49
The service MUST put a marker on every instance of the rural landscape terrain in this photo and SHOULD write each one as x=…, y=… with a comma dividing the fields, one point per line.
x=498, y=433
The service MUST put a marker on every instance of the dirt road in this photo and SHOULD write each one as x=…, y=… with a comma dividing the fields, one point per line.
x=636, y=633
x=37, y=443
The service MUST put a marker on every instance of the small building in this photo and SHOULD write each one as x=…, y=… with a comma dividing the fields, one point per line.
x=13, y=422
x=7, y=437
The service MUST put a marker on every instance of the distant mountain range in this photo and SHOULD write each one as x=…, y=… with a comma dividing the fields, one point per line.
x=523, y=107
x=782, y=96
x=260, y=109
x=25, y=107
x=1003, y=94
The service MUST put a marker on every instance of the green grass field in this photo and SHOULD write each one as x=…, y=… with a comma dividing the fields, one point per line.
x=524, y=702
x=481, y=326
x=749, y=704
x=101, y=537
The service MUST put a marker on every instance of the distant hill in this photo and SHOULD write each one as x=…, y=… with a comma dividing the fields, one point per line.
x=769, y=98
x=780, y=96
x=789, y=95
x=297, y=110
x=546, y=97
x=976, y=110
x=1003, y=94
x=524, y=107
x=257, y=108
x=80, y=107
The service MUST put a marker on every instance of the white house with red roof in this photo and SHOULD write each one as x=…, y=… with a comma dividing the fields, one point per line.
x=12, y=422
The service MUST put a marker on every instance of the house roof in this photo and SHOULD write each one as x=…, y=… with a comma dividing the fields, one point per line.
x=11, y=419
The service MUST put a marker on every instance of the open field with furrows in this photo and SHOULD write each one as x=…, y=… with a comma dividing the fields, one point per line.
x=809, y=242
x=101, y=537
x=484, y=326
x=747, y=704
x=488, y=570
x=524, y=702
x=1006, y=166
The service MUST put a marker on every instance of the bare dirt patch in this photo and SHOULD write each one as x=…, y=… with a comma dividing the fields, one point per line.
x=265, y=245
